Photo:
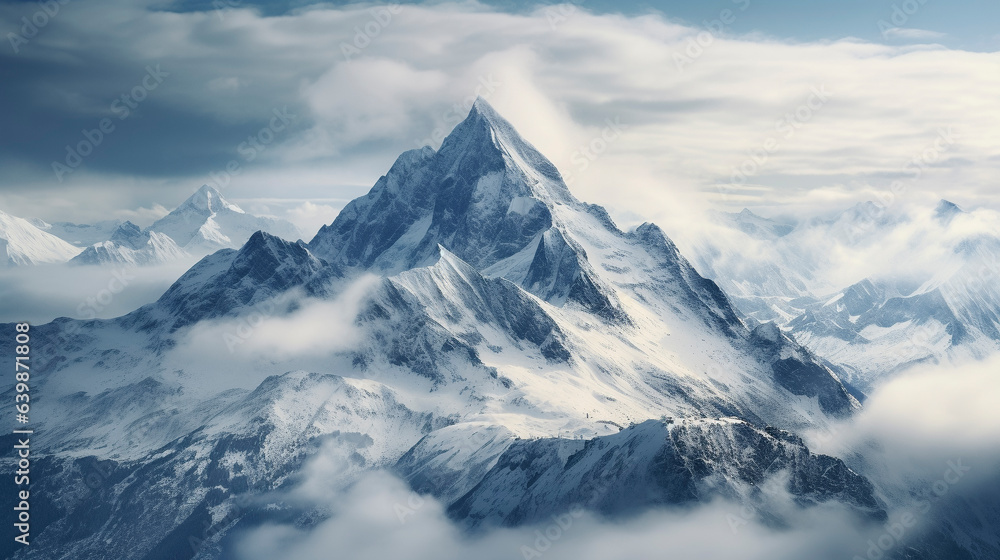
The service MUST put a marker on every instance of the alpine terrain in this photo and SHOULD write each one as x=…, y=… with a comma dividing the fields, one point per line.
x=468, y=325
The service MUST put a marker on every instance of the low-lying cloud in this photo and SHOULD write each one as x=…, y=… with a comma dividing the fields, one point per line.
x=915, y=423
x=379, y=517
x=41, y=293
x=927, y=441
x=903, y=242
x=687, y=128
x=268, y=330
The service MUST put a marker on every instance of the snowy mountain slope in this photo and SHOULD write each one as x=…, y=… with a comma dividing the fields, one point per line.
x=148, y=349
x=230, y=280
x=80, y=235
x=576, y=372
x=456, y=296
x=656, y=463
x=163, y=504
x=493, y=201
x=206, y=222
x=131, y=246
x=21, y=243
x=450, y=462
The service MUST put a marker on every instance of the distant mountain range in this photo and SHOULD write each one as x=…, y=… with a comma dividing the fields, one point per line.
x=880, y=325
x=80, y=235
x=202, y=224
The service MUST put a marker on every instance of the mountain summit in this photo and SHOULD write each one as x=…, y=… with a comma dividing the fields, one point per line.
x=946, y=210
x=489, y=197
x=130, y=245
x=207, y=201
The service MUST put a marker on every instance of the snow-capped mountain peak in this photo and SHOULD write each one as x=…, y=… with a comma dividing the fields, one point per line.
x=485, y=141
x=133, y=246
x=487, y=196
x=208, y=200
x=207, y=222
x=947, y=210
x=130, y=235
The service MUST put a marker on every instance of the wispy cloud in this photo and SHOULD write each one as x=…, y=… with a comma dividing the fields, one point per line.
x=312, y=327
x=913, y=33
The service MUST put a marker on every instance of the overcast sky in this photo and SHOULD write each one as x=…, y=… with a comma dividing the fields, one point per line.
x=785, y=107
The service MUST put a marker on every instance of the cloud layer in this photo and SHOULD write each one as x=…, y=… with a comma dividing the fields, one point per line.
x=379, y=517
x=39, y=294
x=695, y=105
